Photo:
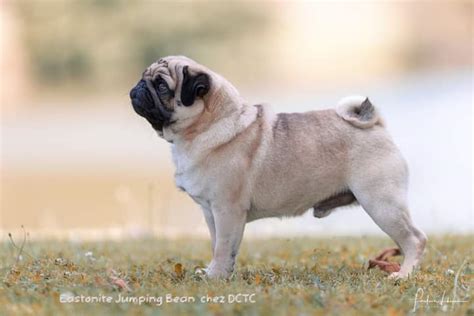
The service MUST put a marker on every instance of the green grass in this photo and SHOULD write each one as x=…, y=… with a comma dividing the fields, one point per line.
x=297, y=276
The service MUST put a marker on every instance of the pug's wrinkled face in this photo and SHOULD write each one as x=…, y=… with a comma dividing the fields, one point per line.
x=171, y=92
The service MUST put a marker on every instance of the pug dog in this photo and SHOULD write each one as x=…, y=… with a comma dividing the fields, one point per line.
x=241, y=162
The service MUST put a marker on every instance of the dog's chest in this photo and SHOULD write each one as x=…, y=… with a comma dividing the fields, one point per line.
x=191, y=183
x=192, y=179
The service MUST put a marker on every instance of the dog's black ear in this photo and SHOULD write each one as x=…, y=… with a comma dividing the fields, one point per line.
x=193, y=86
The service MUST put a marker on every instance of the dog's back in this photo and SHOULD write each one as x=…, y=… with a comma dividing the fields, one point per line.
x=312, y=155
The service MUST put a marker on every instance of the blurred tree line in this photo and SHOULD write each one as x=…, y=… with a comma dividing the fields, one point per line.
x=108, y=43
x=99, y=46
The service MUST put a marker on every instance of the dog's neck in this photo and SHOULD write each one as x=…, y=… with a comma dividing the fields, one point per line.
x=220, y=131
x=229, y=116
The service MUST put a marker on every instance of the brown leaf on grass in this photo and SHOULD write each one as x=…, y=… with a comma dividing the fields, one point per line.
x=382, y=262
x=258, y=279
x=36, y=277
x=178, y=270
x=117, y=281
x=388, y=253
x=98, y=280
x=84, y=278
x=71, y=266
x=384, y=265
x=120, y=283
x=350, y=300
x=55, y=295
x=393, y=312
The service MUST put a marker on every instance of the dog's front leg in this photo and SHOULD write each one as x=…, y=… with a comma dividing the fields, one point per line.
x=229, y=223
x=211, y=225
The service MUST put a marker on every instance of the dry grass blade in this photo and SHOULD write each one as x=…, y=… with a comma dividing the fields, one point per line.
x=21, y=248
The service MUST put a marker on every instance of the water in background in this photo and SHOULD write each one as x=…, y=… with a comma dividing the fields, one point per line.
x=101, y=171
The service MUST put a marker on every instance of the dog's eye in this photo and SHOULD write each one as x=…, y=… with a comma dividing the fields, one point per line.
x=162, y=88
x=201, y=90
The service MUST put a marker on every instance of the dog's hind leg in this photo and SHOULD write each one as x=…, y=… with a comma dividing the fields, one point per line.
x=381, y=192
x=325, y=207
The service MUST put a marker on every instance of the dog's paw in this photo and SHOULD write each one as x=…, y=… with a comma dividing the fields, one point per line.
x=217, y=271
x=398, y=275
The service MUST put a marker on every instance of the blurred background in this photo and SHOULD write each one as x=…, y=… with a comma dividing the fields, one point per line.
x=78, y=163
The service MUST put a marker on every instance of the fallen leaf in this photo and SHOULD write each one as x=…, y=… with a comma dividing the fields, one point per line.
x=382, y=262
x=257, y=279
x=116, y=280
x=384, y=265
x=387, y=253
x=350, y=300
x=392, y=312
x=178, y=269
x=99, y=280
x=36, y=277
x=120, y=283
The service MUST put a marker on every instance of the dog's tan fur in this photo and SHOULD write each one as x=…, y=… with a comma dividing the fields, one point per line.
x=243, y=162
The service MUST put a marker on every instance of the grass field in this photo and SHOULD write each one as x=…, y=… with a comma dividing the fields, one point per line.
x=297, y=276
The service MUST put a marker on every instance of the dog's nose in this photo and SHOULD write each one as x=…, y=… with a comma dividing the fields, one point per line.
x=133, y=93
x=140, y=96
x=145, y=106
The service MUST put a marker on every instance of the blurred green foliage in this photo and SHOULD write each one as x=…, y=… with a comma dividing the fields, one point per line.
x=102, y=43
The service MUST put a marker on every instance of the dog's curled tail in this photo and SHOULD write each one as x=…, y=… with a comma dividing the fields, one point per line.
x=359, y=111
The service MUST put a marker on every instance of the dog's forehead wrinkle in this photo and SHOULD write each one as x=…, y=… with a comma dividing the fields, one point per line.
x=160, y=70
x=163, y=62
x=165, y=74
x=153, y=70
